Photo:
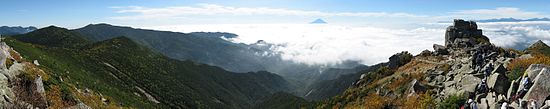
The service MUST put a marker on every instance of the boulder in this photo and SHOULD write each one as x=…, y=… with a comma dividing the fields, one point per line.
x=546, y=105
x=362, y=76
x=533, y=70
x=426, y=53
x=399, y=59
x=498, y=83
x=500, y=69
x=525, y=56
x=40, y=86
x=513, y=88
x=467, y=84
x=540, y=89
x=416, y=87
x=440, y=50
x=483, y=104
x=35, y=62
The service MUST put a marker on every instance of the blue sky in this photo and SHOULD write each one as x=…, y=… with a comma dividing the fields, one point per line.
x=77, y=13
x=371, y=30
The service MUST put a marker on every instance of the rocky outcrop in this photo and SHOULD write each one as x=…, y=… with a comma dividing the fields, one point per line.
x=399, y=59
x=464, y=34
x=477, y=68
x=440, y=50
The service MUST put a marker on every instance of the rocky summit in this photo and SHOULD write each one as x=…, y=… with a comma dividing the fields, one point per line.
x=467, y=72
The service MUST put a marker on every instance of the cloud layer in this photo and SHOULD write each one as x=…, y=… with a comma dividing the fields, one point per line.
x=327, y=44
x=333, y=44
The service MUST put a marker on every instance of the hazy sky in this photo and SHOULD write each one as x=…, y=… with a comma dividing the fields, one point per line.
x=77, y=13
x=362, y=30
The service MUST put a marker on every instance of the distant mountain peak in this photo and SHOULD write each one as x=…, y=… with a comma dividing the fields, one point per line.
x=6, y=30
x=538, y=47
x=539, y=43
x=318, y=21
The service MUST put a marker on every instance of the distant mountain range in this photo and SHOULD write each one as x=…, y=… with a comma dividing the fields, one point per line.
x=514, y=20
x=6, y=30
x=505, y=20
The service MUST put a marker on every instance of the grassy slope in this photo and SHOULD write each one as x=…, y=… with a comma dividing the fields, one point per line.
x=73, y=68
x=182, y=84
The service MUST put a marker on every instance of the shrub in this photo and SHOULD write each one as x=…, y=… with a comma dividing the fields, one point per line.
x=518, y=66
x=452, y=102
x=422, y=101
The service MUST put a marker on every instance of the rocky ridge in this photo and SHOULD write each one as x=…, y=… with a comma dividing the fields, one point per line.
x=467, y=71
x=478, y=72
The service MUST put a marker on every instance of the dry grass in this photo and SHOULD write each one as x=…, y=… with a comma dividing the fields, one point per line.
x=15, y=55
x=33, y=71
x=55, y=99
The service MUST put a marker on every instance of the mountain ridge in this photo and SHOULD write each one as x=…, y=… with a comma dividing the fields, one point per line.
x=124, y=65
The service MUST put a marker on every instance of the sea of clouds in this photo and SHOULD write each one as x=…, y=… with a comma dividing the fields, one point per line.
x=333, y=44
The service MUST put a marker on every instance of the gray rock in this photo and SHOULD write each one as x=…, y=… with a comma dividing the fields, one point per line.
x=416, y=87
x=426, y=53
x=40, y=86
x=399, y=59
x=500, y=69
x=468, y=83
x=525, y=56
x=80, y=106
x=540, y=88
x=512, y=90
x=534, y=69
x=363, y=76
x=440, y=78
x=440, y=50
x=483, y=104
x=14, y=70
x=449, y=83
x=501, y=98
x=491, y=99
x=35, y=62
x=546, y=105
x=499, y=83
x=463, y=34
x=514, y=105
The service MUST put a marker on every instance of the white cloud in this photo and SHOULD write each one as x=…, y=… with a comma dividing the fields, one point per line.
x=500, y=12
x=517, y=35
x=144, y=13
x=328, y=44
x=332, y=44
